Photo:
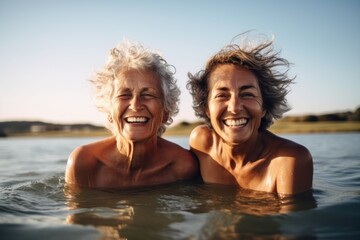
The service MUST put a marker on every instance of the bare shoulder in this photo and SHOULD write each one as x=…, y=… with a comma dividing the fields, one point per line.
x=184, y=161
x=201, y=138
x=76, y=161
x=294, y=166
x=296, y=158
x=82, y=160
x=291, y=150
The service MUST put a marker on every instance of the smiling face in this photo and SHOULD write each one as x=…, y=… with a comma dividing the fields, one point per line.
x=234, y=104
x=137, y=105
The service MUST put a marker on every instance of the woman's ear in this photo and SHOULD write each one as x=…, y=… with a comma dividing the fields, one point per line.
x=110, y=119
x=165, y=117
x=207, y=112
x=263, y=113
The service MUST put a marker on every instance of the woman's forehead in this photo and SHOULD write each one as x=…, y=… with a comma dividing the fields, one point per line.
x=229, y=74
x=137, y=79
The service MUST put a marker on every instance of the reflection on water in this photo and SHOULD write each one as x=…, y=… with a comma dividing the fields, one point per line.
x=100, y=209
x=36, y=204
x=199, y=211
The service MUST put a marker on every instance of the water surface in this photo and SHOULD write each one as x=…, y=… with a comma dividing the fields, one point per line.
x=35, y=203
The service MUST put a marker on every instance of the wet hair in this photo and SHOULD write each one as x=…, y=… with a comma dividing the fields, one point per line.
x=270, y=71
x=133, y=56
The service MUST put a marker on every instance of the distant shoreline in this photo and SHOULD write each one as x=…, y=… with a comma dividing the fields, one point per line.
x=184, y=129
x=347, y=121
x=287, y=127
x=315, y=127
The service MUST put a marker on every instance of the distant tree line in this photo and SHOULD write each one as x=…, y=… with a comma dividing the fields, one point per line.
x=330, y=117
x=13, y=127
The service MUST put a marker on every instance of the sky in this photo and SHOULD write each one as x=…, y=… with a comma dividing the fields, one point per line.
x=49, y=49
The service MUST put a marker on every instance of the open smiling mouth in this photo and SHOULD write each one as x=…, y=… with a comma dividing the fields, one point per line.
x=236, y=122
x=136, y=119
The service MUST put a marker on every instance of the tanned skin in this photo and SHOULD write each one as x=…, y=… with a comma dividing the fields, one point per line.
x=234, y=151
x=136, y=156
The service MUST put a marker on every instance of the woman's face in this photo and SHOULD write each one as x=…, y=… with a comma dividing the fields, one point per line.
x=235, y=105
x=137, y=105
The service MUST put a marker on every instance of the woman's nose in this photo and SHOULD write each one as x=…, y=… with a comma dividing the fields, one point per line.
x=135, y=103
x=234, y=104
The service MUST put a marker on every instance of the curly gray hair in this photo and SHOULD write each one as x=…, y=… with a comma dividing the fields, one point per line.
x=128, y=55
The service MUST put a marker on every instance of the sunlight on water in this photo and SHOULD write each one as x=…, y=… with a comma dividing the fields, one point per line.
x=36, y=203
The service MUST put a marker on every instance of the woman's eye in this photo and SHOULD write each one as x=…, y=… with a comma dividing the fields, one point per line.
x=247, y=95
x=221, y=96
x=124, y=96
x=149, y=95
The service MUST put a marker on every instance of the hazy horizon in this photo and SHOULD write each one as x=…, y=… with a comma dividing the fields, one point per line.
x=174, y=123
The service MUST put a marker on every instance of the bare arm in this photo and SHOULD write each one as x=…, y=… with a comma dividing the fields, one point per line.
x=296, y=171
x=70, y=167
x=78, y=167
x=187, y=167
x=201, y=139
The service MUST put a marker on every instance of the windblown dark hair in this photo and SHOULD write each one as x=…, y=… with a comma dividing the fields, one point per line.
x=269, y=69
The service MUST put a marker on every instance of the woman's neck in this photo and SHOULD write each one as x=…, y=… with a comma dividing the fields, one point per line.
x=137, y=154
x=244, y=152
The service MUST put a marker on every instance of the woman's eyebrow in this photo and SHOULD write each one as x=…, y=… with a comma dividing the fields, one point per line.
x=148, y=89
x=245, y=87
x=123, y=89
x=223, y=89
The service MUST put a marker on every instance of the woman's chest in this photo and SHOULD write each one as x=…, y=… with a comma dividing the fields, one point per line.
x=107, y=177
x=259, y=176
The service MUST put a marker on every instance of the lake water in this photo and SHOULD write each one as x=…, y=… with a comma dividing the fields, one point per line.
x=35, y=203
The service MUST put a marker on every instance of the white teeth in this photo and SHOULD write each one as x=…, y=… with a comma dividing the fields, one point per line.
x=136, y=119
x=235, y=123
